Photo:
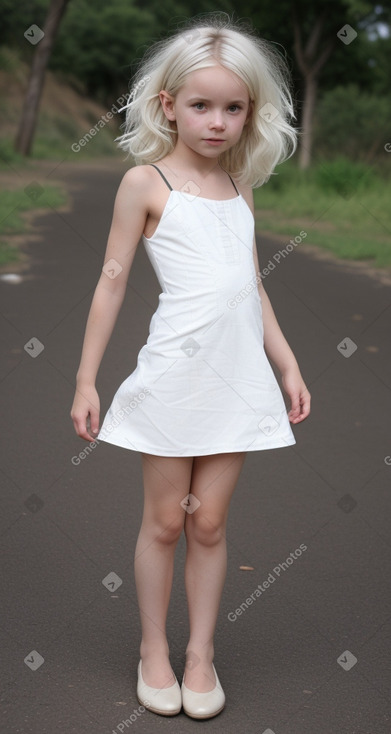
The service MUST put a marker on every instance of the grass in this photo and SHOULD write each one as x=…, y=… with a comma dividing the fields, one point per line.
x=347, y=213
x=55, y=144
x=13, y=204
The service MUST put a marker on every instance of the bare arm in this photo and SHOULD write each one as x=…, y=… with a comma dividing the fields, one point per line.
x=277, y=347
x=129, y=216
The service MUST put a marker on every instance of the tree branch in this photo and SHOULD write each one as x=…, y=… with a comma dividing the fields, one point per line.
x=322, y=58
x=297, y=45
x=314, y=37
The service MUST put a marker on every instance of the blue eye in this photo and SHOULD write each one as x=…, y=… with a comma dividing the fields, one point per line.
x=198, y=104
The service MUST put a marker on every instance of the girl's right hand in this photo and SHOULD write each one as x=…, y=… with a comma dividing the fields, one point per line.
x=86, y=404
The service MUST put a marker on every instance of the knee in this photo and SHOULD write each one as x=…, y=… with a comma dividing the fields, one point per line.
x=167, y=532
x=204, y=529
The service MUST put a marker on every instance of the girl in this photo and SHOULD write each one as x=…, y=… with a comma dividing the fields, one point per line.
x=211, y=107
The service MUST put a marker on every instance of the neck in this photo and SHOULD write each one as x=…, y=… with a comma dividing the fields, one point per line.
x=184, y=159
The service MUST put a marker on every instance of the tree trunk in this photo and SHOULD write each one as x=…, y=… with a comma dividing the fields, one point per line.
x=305, y=148
x=310, y=59
x=24, y=138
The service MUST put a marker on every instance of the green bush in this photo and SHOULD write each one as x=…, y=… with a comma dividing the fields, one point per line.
x=8, y=154
x=9, y=60
x=351, y=122
x=343, y=176
x=288, y=175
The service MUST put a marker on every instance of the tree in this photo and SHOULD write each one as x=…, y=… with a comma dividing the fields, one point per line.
x=321, y=52
x=312, y=55
x=29, y=115
x=344, y=109
x=101, y=43
x=310, y=58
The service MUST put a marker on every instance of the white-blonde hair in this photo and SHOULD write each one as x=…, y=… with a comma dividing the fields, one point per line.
x=267, y=139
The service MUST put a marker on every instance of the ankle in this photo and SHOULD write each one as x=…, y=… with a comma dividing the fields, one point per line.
x=198, y=653
x=154, y=648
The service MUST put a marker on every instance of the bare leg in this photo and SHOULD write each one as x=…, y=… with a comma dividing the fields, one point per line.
x=166, y=483
x=213, y=481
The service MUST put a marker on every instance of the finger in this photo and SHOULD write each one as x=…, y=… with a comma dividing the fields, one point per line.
x=94, y=420
x=305, y=403
x=295, y=407
x=81, y=428
x=305, y=407
x=87, y=436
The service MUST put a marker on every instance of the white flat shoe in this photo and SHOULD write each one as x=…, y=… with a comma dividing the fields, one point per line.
x=164, y=701
x=203, y=705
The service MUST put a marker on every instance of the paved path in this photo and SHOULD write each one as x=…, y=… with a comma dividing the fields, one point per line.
x=311, y=654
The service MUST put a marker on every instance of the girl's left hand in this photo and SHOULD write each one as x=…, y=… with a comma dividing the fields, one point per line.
x=299, y=394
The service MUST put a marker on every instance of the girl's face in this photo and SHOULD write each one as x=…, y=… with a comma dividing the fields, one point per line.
x=210, y=110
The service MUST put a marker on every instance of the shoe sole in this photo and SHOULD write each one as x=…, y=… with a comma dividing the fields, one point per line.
x=204, y=716
x=158, y=711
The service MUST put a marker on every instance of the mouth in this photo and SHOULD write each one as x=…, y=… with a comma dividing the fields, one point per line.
x=214, y=140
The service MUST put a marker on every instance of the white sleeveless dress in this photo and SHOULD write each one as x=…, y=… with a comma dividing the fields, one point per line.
x=203, y=383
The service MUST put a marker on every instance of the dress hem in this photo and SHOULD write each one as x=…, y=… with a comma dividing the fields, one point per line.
x=206, y=452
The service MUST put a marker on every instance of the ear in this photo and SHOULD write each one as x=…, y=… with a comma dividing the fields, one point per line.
x=168, y=104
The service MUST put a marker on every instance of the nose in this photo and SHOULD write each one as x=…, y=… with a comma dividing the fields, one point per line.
x=217, y=121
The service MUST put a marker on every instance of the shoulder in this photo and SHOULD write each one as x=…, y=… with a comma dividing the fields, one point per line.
x=246, y=191
x=136, y=186
x=137, y=177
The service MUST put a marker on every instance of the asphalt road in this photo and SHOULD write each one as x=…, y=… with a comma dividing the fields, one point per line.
x=311, y=654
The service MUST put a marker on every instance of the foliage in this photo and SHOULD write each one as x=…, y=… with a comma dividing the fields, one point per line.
x=15, y=18
x=343, y=176
x=352, y=121
x=102, y=42
x=97, y=42
x=99, y=45
x=8, y=153
x=353, y=222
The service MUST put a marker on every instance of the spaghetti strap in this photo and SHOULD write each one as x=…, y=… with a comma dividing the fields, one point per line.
x=163, y=177
x=170, y=187
x=234, y=185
